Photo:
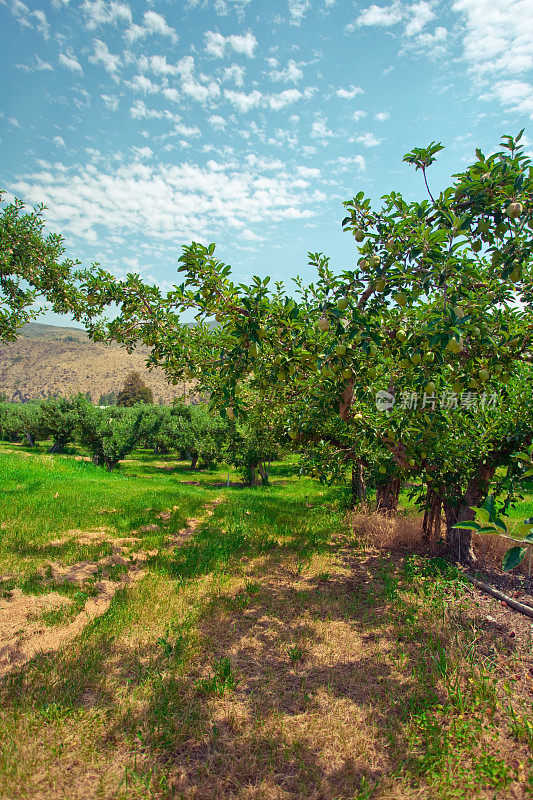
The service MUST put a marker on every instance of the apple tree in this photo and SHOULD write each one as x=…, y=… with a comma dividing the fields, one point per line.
x=437, y=302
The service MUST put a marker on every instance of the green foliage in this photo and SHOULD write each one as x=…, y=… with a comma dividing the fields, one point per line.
x=134, y=391
x=30, y=267
x=59, y=420
x=111, y=434
x=21, y=422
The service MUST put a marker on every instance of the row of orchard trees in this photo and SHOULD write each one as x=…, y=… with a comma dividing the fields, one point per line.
x=438, y=304
x=110, y=434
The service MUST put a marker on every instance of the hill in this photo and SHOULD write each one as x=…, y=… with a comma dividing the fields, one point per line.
x=49, y=360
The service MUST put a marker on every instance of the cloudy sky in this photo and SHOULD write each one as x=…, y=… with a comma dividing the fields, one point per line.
x=146, y=124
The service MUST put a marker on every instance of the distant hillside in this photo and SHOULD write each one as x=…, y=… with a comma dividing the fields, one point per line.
x=48, y=360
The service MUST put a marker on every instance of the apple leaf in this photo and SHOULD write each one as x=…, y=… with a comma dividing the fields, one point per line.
x=513, y=557
x=468, y=526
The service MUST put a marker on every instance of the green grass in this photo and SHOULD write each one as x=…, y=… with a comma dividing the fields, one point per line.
x=268, y=656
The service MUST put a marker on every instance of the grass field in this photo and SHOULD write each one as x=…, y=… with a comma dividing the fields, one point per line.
x=241, y=643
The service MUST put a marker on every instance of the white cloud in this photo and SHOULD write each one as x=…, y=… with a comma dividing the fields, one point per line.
x=173, y=202
x=284, y=99
x=69, y=61
x=242, y=101
x=171, y=94
x=216, y=44
x=348, y=162
x=140, y=111
x=14, y=122
x=217, y=122
x=29, y=19
x=153, y=24
x=380, y=16
x=349, y=94
x=297, y=10
x=102, y=56
x=308, y=172
x=368, y=140
x=382, y=116
x=157, y=64
x=319, y=130
x=234, y=73
x=99, y=12
x=110, y=101
x=291, y=74
x=59, y=141
x=414, y=17
x=357, y=115
x=38, y=66
x=498, y=36
x=200, y=92
x=140, y=83
x=516, y=95
x=143, y=152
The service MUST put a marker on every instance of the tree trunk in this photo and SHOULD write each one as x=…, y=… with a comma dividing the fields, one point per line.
x=30, y=439
x=431, y=528
x=194, y=460
x=387, y=495
x=57, y=447
x=457, y=509
x=358, y=483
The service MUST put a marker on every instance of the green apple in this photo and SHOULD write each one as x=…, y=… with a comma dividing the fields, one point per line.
x=430, y=357
x=343, y=303
x=230, y=413
x=292, y=369
x=401, y=299
x=253, y=350
x=372, y=349
x=280, y=376
x=382, y=470
x=358, y=416
x=416, y=358
x=484, y=375
x=364, y=263
x=375, y=261
x=278, y=359
x=380, y=284
x=405, y=363
x=430, y=387
x=501, y=229
x=514, y=210
x=390, y=243
x=476, y=331
x=515, y=275
x=372, y=373
x=458, y=387
x=219, y=316
x=455, y=346
x=401, y=335
x=189, y=372
x=387, y=352
x=423, y=455
x=293, y=433
x=412, y=462
x=340, y=350
x=359, y=235
x=347, y=373
x=323, y=323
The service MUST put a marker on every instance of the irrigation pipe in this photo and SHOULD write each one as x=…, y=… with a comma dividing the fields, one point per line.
x=523, y=609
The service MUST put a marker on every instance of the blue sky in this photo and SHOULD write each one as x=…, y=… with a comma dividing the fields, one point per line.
x=144, y=125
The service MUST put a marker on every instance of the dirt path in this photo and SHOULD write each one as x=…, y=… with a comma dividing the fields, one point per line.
x=23, y=634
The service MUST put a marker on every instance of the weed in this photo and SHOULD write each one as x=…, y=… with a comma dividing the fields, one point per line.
x=295, y=653
x=222, y=679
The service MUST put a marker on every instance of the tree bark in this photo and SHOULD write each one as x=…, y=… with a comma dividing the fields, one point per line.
x=387, y=495
x=194, y=460
x=358, y=483
x=431, y=527
x=459, y=540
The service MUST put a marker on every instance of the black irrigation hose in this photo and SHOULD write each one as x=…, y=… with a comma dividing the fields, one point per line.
x=523, y=609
